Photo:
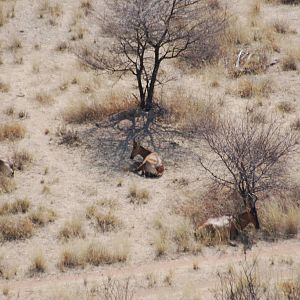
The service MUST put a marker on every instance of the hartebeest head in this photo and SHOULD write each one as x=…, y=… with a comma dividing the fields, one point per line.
x=135, y=150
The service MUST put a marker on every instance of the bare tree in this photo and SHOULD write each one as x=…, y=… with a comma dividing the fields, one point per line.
x=144, y=33
x=248, y=157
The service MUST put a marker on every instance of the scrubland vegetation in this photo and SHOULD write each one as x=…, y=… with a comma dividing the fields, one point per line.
x=212, y=87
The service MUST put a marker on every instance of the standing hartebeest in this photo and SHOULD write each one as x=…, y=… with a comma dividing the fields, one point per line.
x=152, y=164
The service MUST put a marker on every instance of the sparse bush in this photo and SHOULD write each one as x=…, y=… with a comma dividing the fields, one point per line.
x=162, y=242
x=183, y=237
x=281, y=26
x=22, y=159
x=12, y=131
x=44, y=98
x=15, y=228
x=15, y=207
x=72, y=229
x=138, y=195
x=38, y=264
x=42, y=216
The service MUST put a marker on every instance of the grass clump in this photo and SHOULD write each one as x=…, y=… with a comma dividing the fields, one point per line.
x=15, y=207
x=138, y=195
x=248, y=88
x=15, y=228
x=289, y=63
x=38, y=264
x=280, y=219
x=22, y=159
x=71, y=229
x=285, y=107
x=42, y=216
x=70, y=258
x=12, y=132
x=7, y=185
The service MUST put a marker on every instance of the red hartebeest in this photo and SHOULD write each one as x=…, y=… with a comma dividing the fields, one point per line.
x=152, y=164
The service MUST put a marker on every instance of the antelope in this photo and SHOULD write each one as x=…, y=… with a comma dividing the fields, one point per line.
x=231, y=225
x=152, y=163
x=6, y=168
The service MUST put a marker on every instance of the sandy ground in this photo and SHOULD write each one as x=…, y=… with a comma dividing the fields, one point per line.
x=80, y=176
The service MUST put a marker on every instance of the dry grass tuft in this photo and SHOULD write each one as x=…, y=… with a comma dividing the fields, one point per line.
x=54, y=11
x=68, y=136
x=38, y=264
x=280, y=218
x=70, y=258
x=15, y=228
x=22, y=159
x=4, y=87
x=255, y=8
x=44, y=98
x=15, y=44
x=7, y=185
x=61, y=46
x=3, y=18
x=72, y=229
x=104, y=221
x=83, y=112
x=138, y=195
x=183, y=237
x=15, y=207
x=289, y=63
x=97, y=254
x=162, y=242
x=12, y=132
x=248, y=88
x=42, y=216
x=282, y=27
x=296, y=124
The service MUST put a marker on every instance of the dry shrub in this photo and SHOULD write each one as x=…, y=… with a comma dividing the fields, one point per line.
x=97, y=254
x=71, y=257
x=42, y=216
x=38, y=264
x=15, y=228
x=248, y=88
x=71, y=229
x=280, y=218
x=289, y=63
x=104, y=221
x=22, y=159
x=12, y=131
x=183, y=237
x=4, y=87
x=69, y=137
x=189, y=114
x=82, y=112
x=285, y=107
x=15, y=207
x=44, y=98
x=61, y=46
x=15, y=44
x=214, y=202
x=138, y=195
x=162, y=241
x=7, y=185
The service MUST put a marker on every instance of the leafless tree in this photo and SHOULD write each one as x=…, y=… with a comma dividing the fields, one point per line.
x=248, y=157
x=144, y=33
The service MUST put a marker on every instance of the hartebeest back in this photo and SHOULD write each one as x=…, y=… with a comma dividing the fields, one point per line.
x=152, y=164
x=6, y=168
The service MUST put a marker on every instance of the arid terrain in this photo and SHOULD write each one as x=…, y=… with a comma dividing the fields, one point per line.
x=79, y=214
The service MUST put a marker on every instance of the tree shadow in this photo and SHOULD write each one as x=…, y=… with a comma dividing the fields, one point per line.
x=110, y=141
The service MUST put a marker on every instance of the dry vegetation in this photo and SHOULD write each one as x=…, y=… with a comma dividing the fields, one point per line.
x=7, y=185
x=41, y=216
x=15, y=207
x=138, y=195
x=38, y=264
x=15, y=228
x=22, y=159
x=249, y=87
x=72, y=229
x=12, y=131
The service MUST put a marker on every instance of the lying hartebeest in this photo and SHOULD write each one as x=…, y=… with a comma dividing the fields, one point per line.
x=152, y=164
x=230, y=225
x=6, y=168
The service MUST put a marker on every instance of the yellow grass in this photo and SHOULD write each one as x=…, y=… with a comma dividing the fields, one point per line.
x=15, y=228
x=12, y=131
